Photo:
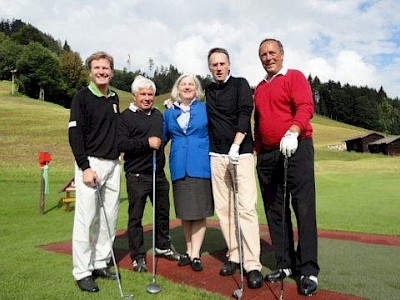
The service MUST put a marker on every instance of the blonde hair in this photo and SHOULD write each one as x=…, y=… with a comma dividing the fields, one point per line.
x=199, y=89
x=99, y=55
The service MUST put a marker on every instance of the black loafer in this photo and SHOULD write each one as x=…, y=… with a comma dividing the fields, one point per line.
x=277, y=275
x=197, y=265
x=87, y=284
x=229, y=268
x=184, y=260
x=255, y=279
x=307, y=286
x=105, y=273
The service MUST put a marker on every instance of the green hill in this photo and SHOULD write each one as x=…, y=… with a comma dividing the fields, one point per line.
x=29, y=126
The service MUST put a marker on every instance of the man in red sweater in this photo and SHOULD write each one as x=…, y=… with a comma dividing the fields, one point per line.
x=283, y=109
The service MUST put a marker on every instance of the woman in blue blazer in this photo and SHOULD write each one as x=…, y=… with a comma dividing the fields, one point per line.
x=186, y=126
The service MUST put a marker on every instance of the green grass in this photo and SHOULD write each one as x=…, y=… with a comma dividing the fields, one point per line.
x=355, y=192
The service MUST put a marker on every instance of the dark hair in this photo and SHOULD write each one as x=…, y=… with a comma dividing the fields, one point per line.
x=273, y=40
x=217, y=50
x=99, y=55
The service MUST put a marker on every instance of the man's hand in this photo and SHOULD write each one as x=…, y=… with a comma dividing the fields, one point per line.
x=234, y=154
x=90, y=177
x=168, y=103
x=154, y=142
x=289, y=143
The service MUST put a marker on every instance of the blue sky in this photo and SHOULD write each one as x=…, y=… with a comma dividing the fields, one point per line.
x=351, y=41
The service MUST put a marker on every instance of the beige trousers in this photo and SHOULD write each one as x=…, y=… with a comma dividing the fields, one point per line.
x=222, y=186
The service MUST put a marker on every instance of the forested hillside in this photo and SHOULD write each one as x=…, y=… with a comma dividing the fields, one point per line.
x=49, y=69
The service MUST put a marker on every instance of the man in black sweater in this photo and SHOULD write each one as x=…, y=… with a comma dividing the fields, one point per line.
x=93, y=126
x=229, y=108
x=140, y=134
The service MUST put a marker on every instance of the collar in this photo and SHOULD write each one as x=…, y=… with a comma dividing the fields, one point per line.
x=134, y=108
x=282, y=71
x=177, y=103
x=95, y=90
x=226, y=79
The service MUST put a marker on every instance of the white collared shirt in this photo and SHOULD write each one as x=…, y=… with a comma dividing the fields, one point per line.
x=134, y=108
x=282, y=71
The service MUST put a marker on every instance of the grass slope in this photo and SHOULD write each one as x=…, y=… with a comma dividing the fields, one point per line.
x=356, y=192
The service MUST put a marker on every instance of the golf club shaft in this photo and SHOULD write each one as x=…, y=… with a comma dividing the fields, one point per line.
x=110, y=239
x=237, y=223
x=154, y=213
x=285, y=171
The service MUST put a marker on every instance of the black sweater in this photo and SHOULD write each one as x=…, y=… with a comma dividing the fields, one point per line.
x=134, y=130
x=93, y=126
x=229, y=108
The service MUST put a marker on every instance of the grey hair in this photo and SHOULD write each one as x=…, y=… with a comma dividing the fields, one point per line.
x=273, y=40
x=142, y=82
x=199, y=89
x=218, y=50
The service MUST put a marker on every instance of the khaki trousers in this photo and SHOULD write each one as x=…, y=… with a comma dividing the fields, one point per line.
x=222, y=186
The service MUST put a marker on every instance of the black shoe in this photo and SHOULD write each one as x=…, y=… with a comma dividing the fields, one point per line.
x=308, y=286
x=169, y=254
x=105, y=273
x=197, y=265
x=229, y=268
x=255, y=279
x=87, y=285
x=139, y=265
x=184, y=260
x=278, y=275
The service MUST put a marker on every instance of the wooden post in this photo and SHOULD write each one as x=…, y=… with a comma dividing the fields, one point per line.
x=42, y=192
x=12, y=81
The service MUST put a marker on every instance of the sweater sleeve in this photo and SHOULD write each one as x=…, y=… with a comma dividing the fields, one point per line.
x=126, y=139
x=75, y=131
x=301, y=96
x=245, y=106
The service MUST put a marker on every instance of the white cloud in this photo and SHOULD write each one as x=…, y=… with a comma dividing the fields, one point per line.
x=356, y=42
x=350, y=67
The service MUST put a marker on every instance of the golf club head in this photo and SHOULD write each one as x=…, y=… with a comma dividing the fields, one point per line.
x=128, y=297
x=238, y=293
x=153, y=288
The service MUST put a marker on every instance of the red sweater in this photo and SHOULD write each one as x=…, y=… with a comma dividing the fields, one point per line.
x=284, y=101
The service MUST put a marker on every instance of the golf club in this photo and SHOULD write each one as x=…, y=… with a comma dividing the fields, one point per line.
x=101, y=203
x=285, y=171
x=238, y=293
x=153, y=287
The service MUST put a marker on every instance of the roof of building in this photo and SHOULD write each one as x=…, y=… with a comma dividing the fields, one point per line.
x=386, y=140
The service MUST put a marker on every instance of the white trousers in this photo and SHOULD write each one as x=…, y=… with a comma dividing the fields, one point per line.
x=90, y=241
x=222, y=186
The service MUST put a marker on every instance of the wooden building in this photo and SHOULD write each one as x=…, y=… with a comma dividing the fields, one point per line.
x=388, y=146
x=360, y=143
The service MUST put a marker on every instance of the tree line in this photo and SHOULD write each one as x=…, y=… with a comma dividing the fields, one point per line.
x=45, y=64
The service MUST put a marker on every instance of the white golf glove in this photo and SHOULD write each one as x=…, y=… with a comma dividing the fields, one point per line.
x=234, y=154
x=289, y=143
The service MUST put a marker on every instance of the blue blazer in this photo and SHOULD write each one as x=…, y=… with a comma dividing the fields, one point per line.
x=189, y=154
